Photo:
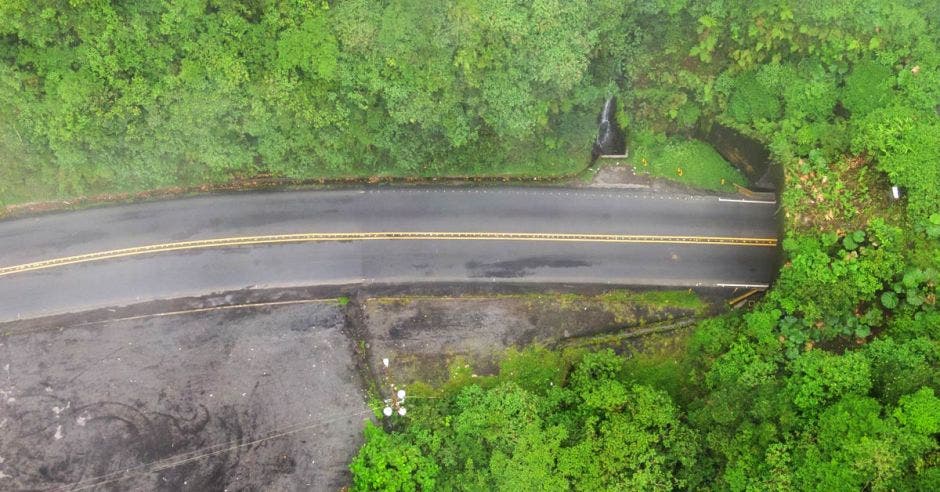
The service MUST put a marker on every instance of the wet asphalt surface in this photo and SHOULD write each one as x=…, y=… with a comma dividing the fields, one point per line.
x=235, y=399
x=170, y=275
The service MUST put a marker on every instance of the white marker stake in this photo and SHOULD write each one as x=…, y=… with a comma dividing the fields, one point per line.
x=768, y=202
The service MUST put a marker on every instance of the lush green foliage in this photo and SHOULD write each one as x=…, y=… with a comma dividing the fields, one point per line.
x=753, y=100
x=560, y=421
x=542, y=424
x=831, y=381
x=106, y=95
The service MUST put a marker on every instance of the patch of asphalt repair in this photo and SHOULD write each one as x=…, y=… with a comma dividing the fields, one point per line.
x=245, y=398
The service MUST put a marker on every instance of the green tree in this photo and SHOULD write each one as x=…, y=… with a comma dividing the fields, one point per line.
x=868, y=87
x=390, y=462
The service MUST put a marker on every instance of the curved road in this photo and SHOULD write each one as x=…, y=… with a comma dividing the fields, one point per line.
x=119, y=255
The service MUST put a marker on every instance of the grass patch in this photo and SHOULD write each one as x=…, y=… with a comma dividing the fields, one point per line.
x=690, y=162
x=658, y=370
x=662, y=363
x=629, y=308
x=682, y=299
x=658, y=299
x=654, y=359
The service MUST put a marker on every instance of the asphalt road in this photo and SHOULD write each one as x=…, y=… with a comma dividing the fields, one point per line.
x=113, y=281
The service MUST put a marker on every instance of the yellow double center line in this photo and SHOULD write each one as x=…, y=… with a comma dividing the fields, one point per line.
x=372, y=236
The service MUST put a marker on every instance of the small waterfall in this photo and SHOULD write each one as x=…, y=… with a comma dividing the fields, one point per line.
x=610, y=140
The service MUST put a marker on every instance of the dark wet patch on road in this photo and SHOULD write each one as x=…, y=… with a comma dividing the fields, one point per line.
x=520, y=268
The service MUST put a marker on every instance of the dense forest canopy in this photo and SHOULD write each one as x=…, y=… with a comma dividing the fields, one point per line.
x=108, y=95
x=831, y=382
x=100, y=96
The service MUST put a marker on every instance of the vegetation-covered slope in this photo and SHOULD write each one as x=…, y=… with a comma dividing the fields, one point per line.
x=122, y=95
x=831, y=382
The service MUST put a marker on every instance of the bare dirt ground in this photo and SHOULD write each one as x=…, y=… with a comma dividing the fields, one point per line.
x=611, y=173
x=237, y=399
x=422, y=336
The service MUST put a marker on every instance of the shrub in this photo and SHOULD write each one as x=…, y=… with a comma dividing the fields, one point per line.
x=868, y=87
x=752, y=101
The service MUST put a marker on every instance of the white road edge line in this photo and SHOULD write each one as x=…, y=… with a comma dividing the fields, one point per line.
x=745, y=286
x=772, y=202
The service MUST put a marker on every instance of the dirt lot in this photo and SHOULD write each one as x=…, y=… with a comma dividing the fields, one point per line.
x=235, y=399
